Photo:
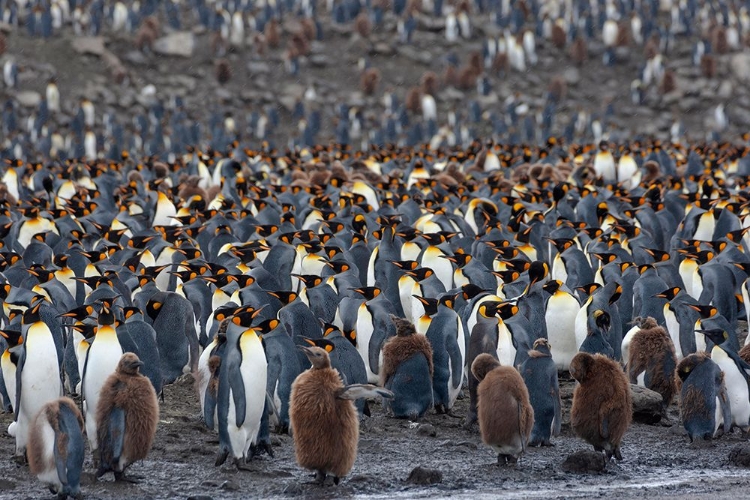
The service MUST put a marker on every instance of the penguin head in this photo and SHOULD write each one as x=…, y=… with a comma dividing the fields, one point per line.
x=705, y=311
x=669, y=293
x=482, y=365
x=715, y=335
x=132, y=314
x=689, y=363
x=589, y=289
x=421, y=274
x=541, y=346
x=602, y=319
x=538, y=270
x=368, y=292
x=405, y=265
x=129, y=364
x=404, y=327
x=471, y=290
x=31, y=315
x=324, y=344
x=266, y=326
x=318, y=357
x=79, y=313
x=506, y=310
x=310, y=280
x=552, y=286
x=285, y=297
x=13, y=337
x=658, y=255
x=430, y=304
x=488, y=309
x=447, y=300
x=581, y=366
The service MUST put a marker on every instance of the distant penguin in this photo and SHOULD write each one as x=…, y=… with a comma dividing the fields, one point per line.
x=503, y=408
x=56, y=447
x=325, y=423
x=539, y=373
x=602, y=406
x=652, y=361
x=126, y=418
x=704, y=403
x=407, y=371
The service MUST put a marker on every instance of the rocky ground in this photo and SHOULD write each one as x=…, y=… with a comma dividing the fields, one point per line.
x=659, y=461
x=183, y=64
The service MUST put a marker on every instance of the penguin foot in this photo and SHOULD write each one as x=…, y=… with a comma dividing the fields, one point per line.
x=320, y=478
x=336, y=480
x=221, y=458
x=282, y=429
x=512, y=460
x=257, y=450
x=21, y=459
x=617, y=454
x=440, y=409
x=242, y=466
x=120, y=477
x=502, y=459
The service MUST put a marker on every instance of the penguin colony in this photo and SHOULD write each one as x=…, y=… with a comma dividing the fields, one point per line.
x=290, y=284
x=477, y=49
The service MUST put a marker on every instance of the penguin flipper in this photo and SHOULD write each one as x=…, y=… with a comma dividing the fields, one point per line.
x=726, y=410
x=456, y=362
x=237, y=386
x=360, y=391
x=61, y=437
x=604, y=428
x=19, y=371
x=111, y=440
x=209, y=408
x=557, y=420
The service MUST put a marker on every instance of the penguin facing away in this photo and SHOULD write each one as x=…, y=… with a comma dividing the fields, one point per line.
x=539, y=373
x=602, y=406
x=127, y=416
x=652, y=361
x=407, y=371
x=324, y=419
x=56, y=447
x=704, y=403
x=503, y=408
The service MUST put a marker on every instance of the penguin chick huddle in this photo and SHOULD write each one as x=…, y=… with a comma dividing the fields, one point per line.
x=292, y=283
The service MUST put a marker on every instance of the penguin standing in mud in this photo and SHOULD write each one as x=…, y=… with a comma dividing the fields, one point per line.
x=407, y=371
x=37, y=374
x=539, y=373
x=736, y=376
x=241, y=395
x=102, y=360
x=127, y=414
x=652, y=361
x=704, y=403
x=505, y=413
x=283, y=367
x=172, y=317
x=56, y=447
x=560, y=315
x=602, y=406
x=325, y=422
x=446, y=336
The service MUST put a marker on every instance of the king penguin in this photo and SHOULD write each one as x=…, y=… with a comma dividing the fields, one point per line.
x=560, y=315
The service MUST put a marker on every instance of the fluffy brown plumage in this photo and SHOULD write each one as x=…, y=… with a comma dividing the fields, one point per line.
x=403, y=346
x=579, y=52
x=430, y=83
x=3, y=43
x=363, y=25
x=39, y=461
x=223, y=71
x=131, y=392
x=271, y=32
x=602, y=406
x=369, y=80
x=503, y=408
x=652, y=351
x=708, y=65
x=559, y=37
x=668, y=82
x=745, y=353
x=326, y=428
x=413, y=101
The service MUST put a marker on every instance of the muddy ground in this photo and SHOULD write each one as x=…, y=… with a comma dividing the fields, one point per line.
x=659, y=461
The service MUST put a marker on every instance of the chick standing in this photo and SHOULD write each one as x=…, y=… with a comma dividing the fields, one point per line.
x=503, y=408
x=126, y=418
x=56, y=447
x=652, y=361
x=324, y=420
x=602, y=407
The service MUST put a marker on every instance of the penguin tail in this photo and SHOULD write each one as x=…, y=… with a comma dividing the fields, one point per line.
x=221, y=457
x=520, y=433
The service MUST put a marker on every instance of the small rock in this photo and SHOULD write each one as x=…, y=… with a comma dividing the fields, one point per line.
x=318, y=61
x=93, y=45
x=382, y=49
x=229, y=486
x=584, y=461
x=572, y=76
x=740, y=455
x=200, y=497
x=726, y=90
x=180, y=43
x=646, y=405
x=422, y=476
x=427, y=430
x=6, y=485
x=740, y=64
x=256, y=67
x=28, y=98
